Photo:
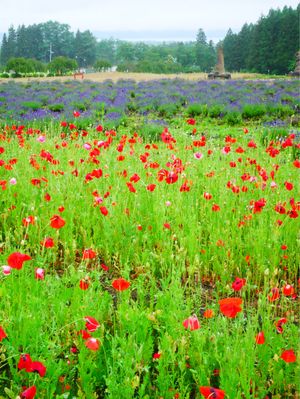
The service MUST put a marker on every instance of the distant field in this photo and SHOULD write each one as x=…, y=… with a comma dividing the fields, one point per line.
x=115, y=76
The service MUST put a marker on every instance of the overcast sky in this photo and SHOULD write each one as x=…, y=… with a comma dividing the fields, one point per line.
x=179, y=18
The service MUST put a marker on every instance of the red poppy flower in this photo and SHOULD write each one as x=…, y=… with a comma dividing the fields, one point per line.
x=151, y=187
x=29, y=393
x=260, y=338
x=156, y=355
x=259, y=205
x=2, y=334
x=279, y=323
x=288, y=290
x=28, y=220
x=135, y=178
x=207, y=196
x=104, y=267
x=84, y=334
x=57, y=222
x=230, y=306
x=130, y=187
x=76, y=114
x=289, y=186
x=84, y=284
x=121, y=284
x=104, y=210
x=215, y=208
x=288, y=356
x=191, y=121
x=171, y=178
x=99, y=128
x=274, y=294
x=38, y=367
x=212, y=393
x=91, y=323
x=238, y=284
x=16, y=259
x=25, y=362
x=191, y=323
x=208, y=313
x=89, y=254
x=92, y=343
x=48, y=242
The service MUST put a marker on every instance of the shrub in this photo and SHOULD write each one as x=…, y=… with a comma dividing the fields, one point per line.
x=151, y=132
x=33, y=105
x=197, y=109
x=167, y=110
x=233, y=118
x=216, y=111
x=253, y=111
x=56, y=107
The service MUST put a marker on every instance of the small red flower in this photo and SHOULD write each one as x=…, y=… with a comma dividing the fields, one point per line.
x=48, y=242
x=92, y=343
x=57, y=222
x=212, y=393
x=91, y=324
x=229, y=307
x=84, y=334
x=208, y=313
x=215, y=208
x=29, y=393
x=38, y=367
x=151, y=187
x=121, y=284
x=238, y=284
x=89, y=254
x=288, y=290
x=2, y=334
x=191, y=323
x=191, y=121
x=76, y=114
x=274, y=295
x=84, y=283
x=156, y=356
x=16, y=259
x=279, y=324
x=28, y=220
x=289, y=186
x=288, y=356
x=104, y=210
x=25, y=362
x=260, y=338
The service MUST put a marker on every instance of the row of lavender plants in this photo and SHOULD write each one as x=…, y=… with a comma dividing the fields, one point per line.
x=112, y=103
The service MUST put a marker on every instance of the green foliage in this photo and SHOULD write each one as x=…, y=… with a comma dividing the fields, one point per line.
x=197, y=109
x=62, y=65
x=33, y=105
x=253, y=111
x=269, y=46
x=216, y=111
x=151, y=132
x=58, y=107
x=102, y=65
x=233, y=118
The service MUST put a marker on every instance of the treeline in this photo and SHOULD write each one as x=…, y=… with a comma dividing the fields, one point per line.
x=45, y=41
x=269, y=46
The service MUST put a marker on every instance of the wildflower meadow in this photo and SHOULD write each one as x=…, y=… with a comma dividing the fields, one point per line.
x=149, y=240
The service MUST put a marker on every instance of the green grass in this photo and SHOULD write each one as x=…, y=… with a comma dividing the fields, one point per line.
x=174, y=272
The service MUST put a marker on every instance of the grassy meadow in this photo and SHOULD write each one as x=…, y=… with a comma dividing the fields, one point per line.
x=152, y=255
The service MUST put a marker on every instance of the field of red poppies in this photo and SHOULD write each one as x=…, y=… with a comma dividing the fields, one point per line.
x=161, y=268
